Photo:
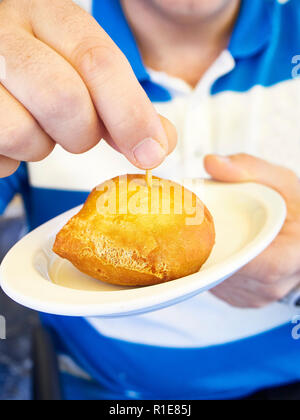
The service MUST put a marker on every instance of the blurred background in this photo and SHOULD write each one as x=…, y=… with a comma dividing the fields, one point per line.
x=15, y=351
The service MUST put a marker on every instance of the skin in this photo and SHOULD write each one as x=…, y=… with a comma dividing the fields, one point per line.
x=181, y=37
x=67, y=83
x=190, y=10
x=195, y=32
x=276, y=272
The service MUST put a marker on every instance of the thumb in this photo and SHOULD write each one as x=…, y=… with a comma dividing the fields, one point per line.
x=246, y=168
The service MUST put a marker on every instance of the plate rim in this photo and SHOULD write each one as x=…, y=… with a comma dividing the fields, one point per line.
x=213, y=274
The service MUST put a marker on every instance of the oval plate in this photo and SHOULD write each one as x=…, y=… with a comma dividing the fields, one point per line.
x=247, y=217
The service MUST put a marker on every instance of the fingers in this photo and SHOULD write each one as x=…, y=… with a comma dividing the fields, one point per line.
x=223, y=168
x=7, y=166
x=239, y=298
x=59, y=103
x=51, y=90
x=21, y=138
x=279, y=260
x=278, y=291
x=246, y=168
x=124, y=107
x=243, y=291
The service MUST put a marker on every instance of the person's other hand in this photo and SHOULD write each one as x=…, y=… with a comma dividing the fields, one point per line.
x=276, y=272
x=66, y=82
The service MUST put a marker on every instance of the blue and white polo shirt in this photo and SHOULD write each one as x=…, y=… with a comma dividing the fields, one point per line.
x=248, y=101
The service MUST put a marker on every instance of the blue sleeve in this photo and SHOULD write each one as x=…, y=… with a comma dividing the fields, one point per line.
x=12, y=185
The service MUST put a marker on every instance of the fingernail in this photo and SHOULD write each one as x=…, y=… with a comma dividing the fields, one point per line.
x=223, y=159
x=149, y=153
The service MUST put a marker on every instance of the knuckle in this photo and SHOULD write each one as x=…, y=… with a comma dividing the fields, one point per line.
x=88, y=134
x=19, y=141
x=272, y=277
x=91, y=58
x=62, y=102
x=275, y=272
x=275, y=293
x=70, y=116
x=16, y=138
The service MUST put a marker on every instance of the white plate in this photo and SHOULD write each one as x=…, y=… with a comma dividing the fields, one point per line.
x=247, y=217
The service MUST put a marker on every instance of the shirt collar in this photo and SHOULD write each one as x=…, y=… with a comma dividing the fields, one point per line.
x=252, y=32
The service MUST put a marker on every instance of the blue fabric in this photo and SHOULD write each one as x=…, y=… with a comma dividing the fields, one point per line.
x=263, y=57
x=51, y=204
x=273, y=42
x=111, y=18
x=12, y=185
x=137, y=371
x=245, y=41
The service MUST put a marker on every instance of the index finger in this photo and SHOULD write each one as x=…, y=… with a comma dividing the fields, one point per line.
x=121, y=102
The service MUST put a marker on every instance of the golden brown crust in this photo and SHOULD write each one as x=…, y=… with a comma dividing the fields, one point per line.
x=136, y=249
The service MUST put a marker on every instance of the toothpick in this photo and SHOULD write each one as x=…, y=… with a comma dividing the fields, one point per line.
x=149, y=178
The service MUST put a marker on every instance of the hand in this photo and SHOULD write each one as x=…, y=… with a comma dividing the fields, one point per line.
x=276, y=272
x=68, y=83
